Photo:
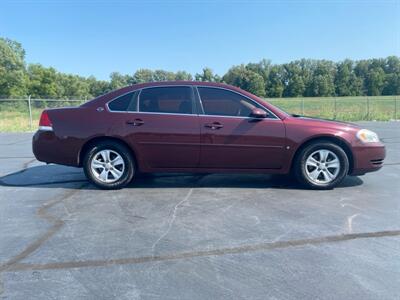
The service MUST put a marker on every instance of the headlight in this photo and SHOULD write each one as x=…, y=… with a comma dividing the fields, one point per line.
x=367, y=136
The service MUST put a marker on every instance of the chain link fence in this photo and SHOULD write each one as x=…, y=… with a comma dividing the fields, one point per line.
x=368, y=108
x=23, y=114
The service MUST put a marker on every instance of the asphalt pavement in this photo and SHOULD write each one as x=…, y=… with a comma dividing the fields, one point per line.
x=177, y=236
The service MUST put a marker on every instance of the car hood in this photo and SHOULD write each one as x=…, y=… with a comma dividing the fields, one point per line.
x=325, y=122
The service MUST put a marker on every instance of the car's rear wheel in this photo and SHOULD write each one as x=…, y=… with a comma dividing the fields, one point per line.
x=109, y=165
x=321, y=165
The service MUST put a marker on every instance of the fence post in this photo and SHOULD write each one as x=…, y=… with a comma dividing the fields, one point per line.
x=395, y=107
x=302, y=106
x=335, y=111
x=30, y=112
x=367, y=108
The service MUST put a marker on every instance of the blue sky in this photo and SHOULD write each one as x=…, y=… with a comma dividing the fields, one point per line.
x=98, y=37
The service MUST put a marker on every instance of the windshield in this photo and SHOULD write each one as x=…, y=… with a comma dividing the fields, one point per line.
x=277, y=108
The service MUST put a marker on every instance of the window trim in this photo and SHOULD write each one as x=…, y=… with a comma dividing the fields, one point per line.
x=274, y=116
x=196, y=101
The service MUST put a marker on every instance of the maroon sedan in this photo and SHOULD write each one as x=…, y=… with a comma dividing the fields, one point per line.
x=200, y=127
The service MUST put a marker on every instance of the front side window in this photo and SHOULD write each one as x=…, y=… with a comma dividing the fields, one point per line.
x=127, y=102
x=173, y=100
x=222, y=102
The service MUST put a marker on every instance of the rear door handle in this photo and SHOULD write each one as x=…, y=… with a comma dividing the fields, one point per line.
x=136, y=122
x=214, y=125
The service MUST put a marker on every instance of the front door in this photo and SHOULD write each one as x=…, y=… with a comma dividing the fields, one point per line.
x=231, y=139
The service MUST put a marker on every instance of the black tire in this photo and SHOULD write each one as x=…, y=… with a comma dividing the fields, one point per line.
x=300, y=165
x=129, y=165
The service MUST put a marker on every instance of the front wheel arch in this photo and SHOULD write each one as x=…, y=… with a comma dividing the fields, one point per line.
x=338, y=141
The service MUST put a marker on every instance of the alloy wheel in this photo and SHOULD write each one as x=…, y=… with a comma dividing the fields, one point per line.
x=322, y=166
x=107, y=166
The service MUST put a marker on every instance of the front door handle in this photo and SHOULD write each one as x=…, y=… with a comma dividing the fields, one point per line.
x=136, y=122
x=214, y=125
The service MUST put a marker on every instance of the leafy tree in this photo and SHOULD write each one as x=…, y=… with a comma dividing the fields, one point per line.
x=43, y=82
x=254, y=83
x=305, y=77
x=183, y=75
x=97, y=87
x=245, y=79
x=73, y=86
x=275, y=85
x=142, y=76
x=346, y=81
x=263, y=67
x=321, y=87
x=293, y=79
x=207, y=75
x=117, y=80
x=12, y=69
x=322, y=84
x=161, y=75
x=361, y=71
x=375, y=81
x=392, y=76
x=295, y=86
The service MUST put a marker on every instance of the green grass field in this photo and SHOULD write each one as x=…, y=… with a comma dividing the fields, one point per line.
x=14, y=116
x=379, y=108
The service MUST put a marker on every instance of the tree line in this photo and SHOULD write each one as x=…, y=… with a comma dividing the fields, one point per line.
x=300, y=78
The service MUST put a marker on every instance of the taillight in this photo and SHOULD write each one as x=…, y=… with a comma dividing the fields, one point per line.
x=45, y=123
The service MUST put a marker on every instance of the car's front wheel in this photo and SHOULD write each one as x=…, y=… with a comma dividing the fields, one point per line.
x=321, y=165
x=109, y=165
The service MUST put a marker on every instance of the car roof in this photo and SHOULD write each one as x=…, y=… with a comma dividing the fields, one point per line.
x=138, y=86
x=183, y=82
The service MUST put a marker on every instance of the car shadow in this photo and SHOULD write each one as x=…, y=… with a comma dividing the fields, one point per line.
x=256, y=181
x=56, y=176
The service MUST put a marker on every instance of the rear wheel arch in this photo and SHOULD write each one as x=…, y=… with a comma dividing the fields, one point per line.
x=87, y=146
x=332, y=139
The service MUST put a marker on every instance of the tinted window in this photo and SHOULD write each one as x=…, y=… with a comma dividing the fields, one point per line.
x=177, y=100
x=226, y=103
x=125, y=102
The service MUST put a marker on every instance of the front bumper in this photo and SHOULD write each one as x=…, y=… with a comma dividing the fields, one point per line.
x=368, y=158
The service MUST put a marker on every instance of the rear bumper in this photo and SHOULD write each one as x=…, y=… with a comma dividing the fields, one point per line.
x=49, y=148
x=368, y=158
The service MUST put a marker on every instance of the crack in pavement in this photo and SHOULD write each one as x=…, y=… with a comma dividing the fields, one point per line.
x=392, y=164
x=57, y=223
x=16, y=142
x=24, y=169
x=172, y=220
x=202, y=253
x=2, y=183
x=26, y=164
x=42, y=212
x=11, y=157
x=196, y=180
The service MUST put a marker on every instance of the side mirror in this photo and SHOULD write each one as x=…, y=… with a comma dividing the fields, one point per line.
x=258, y=113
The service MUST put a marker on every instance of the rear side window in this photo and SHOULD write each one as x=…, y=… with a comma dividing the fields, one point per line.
x=127, y=102
x=222, y=102
x=174, y=100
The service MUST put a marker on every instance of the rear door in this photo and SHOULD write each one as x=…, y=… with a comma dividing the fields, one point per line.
x=165, y=130
x=231, y=139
